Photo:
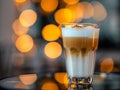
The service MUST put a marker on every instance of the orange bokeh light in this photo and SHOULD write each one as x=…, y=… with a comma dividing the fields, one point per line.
x=77, y=11
x=60, y=30
x=88, y=10
x=107, y=65
x=49, y=5
x=71, y=2
x=18, y=28
x=24, y=43
x=62, y=78
x=64, y=15
x=28, y=17
x=28, y=79
x=49, y=86
x=53, y=50
x=51, y=32
x=66, y=80
x=19, y=1
x=100, y=12
x=59, y=77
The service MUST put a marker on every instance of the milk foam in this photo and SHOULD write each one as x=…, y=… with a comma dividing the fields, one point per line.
x=80, y=32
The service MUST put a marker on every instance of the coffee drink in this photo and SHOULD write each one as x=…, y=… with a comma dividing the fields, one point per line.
x=80, y=42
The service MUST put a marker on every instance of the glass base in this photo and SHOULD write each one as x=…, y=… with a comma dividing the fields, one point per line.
x=76, y=83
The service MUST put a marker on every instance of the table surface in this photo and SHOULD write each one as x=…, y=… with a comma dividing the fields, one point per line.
x=57, y=81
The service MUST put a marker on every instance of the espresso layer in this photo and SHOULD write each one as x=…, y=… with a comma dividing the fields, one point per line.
x=80, y=44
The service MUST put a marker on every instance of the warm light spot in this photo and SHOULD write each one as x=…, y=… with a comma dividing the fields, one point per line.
x=88, y=10
x=107, y=65
x=18, y=28
x=28, y=17
x=59, y=77
x=73, y=86
x=51, y=32
x=28, y=79
x=66, y=80
x=24, y=43
x=49, y=86
x=49, y=5
x=20, y=1
x=71, y=2
x=60, y=30
x=53, y=50
x=64, y=15
x=77, y=11
x=99, y=11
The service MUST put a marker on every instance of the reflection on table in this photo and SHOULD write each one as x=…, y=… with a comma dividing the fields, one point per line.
x=58, y=81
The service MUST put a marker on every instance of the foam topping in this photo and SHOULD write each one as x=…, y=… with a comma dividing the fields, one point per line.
x=79, y=32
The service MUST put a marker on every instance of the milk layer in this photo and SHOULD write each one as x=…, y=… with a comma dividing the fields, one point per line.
x=80, y=44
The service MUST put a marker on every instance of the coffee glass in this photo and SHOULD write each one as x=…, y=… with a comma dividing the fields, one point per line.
x=80, y=41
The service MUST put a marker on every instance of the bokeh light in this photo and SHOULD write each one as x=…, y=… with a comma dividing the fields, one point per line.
x=18, y=28
x=62, y=78
x=59, y=77
x=49, y=85
x=66, y=80
x=51, y=32
x=24, y=43
x=107, y=65
x=49, y=5
x=60, y=31
x=77, y=11
x=28, y=79
x=71, y=2
x=19, y=1
x=53, y=50
x=64, y=15
x=28, y=17
x=100, y=12
x=88, y=10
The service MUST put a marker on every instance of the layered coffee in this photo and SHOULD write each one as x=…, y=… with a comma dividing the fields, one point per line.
x=80, y=43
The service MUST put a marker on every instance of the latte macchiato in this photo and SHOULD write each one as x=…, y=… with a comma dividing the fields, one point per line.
x=80, y=42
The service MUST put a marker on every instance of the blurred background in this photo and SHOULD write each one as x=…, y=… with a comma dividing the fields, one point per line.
x=30, y=34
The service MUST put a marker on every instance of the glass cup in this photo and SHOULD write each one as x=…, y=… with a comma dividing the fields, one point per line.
x=80, y=41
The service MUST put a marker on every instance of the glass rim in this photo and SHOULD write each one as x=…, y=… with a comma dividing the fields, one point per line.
x=80, y=25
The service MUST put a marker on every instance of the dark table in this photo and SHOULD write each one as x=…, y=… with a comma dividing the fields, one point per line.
x=57, y=81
